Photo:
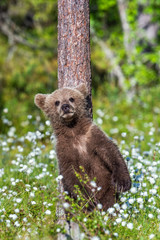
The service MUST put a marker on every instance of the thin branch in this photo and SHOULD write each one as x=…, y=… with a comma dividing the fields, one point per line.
x=116, y=69
x=12, y=37
x=125, y=25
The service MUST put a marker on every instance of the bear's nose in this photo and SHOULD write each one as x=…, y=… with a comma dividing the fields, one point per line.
x=65, y=108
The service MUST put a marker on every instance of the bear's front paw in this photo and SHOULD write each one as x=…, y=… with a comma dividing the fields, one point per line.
x=121, y=184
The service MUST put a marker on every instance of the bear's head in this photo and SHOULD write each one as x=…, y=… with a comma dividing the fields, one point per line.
x=64, y=105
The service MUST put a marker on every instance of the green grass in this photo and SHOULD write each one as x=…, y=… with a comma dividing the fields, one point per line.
x=28, y=172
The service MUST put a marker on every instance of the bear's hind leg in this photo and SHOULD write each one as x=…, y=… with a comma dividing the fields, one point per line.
x=109, y=198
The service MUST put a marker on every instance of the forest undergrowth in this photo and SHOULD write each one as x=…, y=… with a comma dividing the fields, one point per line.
x=29, y=175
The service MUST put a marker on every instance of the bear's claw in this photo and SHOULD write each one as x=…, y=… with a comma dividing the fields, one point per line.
x=121, y=185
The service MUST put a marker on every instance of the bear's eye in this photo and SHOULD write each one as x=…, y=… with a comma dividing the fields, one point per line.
x=57, y=103
x=71, y=99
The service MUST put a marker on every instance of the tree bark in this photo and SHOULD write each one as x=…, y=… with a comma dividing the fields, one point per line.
x=73, y=67
x=74, y=43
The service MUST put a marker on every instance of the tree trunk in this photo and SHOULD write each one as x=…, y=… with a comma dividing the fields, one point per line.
x=73, y=67
x=74, y=43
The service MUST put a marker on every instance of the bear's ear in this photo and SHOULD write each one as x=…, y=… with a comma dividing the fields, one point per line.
x=39, y=100
x=83, y=89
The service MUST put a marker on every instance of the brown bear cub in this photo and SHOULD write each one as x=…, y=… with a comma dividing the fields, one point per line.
x=81, y=143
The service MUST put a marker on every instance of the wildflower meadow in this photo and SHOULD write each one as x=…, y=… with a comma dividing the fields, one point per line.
x=45, y=44
x=29, y=176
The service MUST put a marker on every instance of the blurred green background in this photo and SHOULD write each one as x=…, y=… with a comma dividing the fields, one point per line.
x=125, y=53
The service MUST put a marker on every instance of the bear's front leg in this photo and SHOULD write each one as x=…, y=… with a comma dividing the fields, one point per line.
x=121, y=179
x=109, y=153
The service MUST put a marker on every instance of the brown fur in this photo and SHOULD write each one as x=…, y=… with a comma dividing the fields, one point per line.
x=81, y=143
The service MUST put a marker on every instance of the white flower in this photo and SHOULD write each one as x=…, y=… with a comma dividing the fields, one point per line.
x=151, y=236
x=93, y=184
x=52, y=154
x=5, y=110
x=110, y=210
x=121, y=211
x=99, y=188
x=115, y=118
x=99, y=206
x=18, y=200
x=99, y=120
x=152, y=181
x=100, y=112
x=123, y=134
x=20, y=149
x=131, y=200
x=13, y=216
x=130, y=226
x=151, y=199
x=60, y=177
x=16, y=210
x=125, y=215
x=82, y=236
x=123, y=223
x=139, y=165
x=144, y=184
x=136, y=137
x=58, y=230
x=8, y=223
x=139, y=227
x=115, y=234
x=118, y=220
x=133, y=190
x=47, y=212
x=17, y=224
x=123, y=199
x=48, y=123
x=32, y=162
x=107, y=232
x=95, y=238
x=116, y=206
x=29, y=116
x=24, y=219
x=141, y=206
x=150, y=215
x=33, y=202
x=124, y=206
x=145, y=194
x=114, y=130
x=66, y=205
x=140, y=200
x=85, y=220
x=106, y=218
x=31, y=194
x=136, y=211
x=152, y=191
